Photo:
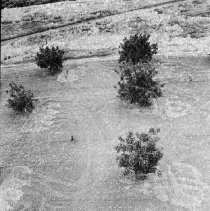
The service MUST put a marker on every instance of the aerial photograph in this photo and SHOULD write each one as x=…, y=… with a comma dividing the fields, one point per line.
x=105, y=105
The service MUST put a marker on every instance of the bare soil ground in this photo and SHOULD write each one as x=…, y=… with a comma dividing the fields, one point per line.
x=44, y=170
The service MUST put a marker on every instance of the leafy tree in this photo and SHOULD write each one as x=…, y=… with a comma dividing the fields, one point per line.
x=137, y=48
x=138, y=153
x=20, y=100
x=50, y=58
x=137, y=84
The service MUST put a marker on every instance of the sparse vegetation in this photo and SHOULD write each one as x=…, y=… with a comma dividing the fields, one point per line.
x=50, y=58
x=137, y=48
x=137, y=84
x=20, y=100
x=138, y=153
x=24, y=3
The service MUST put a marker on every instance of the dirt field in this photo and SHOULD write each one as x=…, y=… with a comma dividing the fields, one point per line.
x=49, y=172
x=43, y=170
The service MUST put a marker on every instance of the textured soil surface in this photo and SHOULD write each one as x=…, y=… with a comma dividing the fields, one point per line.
x=41, y=169
x=45, y=170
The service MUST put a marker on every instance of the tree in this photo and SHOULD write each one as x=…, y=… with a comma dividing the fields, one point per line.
x=20, y=100
x=137, y=84
x=50, y=58
x=138, y=153
x=137, y=48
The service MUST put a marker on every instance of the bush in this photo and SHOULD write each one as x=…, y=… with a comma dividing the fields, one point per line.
x=137, y=84
x=138, y=153
x=136, y=49
x=20, y=100
x=50, y=58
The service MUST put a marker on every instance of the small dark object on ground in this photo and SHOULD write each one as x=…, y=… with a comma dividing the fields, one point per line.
x=20, y=100
x=138, y=153
x=72, y=139
x=190, y=79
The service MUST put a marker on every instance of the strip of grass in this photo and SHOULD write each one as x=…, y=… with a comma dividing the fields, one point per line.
x=25, y=3
x=35, y=24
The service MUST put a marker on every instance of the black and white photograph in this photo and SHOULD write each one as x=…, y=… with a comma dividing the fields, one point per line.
x=105, y=105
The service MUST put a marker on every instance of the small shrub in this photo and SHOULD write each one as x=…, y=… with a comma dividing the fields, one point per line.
x=138, y=153
x=137, y=84
x=137, y=48
x=20, y=100
x=50, y=58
